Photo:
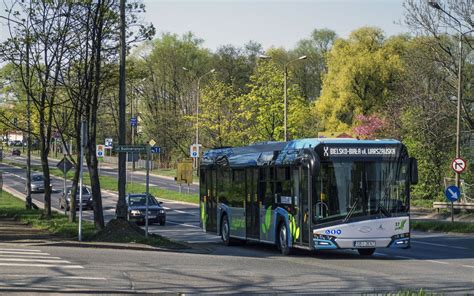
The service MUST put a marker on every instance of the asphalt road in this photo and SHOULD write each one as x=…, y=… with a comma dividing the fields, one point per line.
x=441, y=263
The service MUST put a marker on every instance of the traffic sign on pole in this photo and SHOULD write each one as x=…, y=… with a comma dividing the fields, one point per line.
x=458, y=165
x=100, y=151
x=133, y=121
x=130, y=148
x=194, y=151
x=152, y=142
x=452, y=193
x=108, y=143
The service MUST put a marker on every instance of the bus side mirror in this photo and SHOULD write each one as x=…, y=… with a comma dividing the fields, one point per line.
x=413, y=171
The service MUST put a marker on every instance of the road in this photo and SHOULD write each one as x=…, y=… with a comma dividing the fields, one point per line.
x=441, y=263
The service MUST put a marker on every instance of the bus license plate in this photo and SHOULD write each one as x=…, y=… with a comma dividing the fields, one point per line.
x=364, y=244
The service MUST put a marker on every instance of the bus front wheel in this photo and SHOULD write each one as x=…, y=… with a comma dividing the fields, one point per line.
x=283, y=240
x=225, y=231
x=366, y=252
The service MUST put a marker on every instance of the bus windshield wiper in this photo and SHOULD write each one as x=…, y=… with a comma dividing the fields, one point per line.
x=383, y=209
x=351, y=211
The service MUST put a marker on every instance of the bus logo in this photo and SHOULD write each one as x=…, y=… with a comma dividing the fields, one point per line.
x=400, y=225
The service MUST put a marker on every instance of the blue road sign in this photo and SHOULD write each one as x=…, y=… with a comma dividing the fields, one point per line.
x=155, y=149
x=452, y=193
x=133, y=121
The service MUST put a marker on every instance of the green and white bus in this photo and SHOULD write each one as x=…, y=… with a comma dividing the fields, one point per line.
x=314, y=194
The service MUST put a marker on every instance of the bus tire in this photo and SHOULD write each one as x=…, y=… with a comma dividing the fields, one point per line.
x=225, y=231
x=282, y=241
x=366, y=252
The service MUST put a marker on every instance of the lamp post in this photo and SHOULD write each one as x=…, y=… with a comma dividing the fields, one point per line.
x=285, y=90
x=435, y=5
x=197, y=107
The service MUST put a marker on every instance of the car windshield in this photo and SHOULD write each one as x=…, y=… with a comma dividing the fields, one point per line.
x=139, y=200
x=37, y=178
x=349, y=189
x=85, y=191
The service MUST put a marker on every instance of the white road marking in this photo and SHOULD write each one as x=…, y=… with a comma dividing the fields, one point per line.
x=439, y=245
x=380, y=254
x=42, y=265
x=81, y=278
x=20, y=250
x=468, y=266
x=184, y=224
x=435, y=261
x=34, y=260
x=22, y=253
x=30, y=256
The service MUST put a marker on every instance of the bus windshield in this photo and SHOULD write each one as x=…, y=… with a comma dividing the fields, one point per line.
x=356, y=190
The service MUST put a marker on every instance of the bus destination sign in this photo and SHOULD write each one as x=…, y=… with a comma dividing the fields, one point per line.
x=345, y=151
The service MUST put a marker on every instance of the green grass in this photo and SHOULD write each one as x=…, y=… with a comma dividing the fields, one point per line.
x=110, y=183
x=422, y=203
x=443, y=226
x=59, y=225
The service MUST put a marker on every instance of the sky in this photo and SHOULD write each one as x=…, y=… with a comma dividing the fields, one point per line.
x=273, y=23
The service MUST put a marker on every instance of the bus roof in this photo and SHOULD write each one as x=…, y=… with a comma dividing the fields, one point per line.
x=277, y=152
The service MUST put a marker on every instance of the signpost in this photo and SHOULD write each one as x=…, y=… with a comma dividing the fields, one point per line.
x=109, y=144
x=194, y=151
x=64, y=165
x=452, y=194
x=133, y=121
x=100, y=151
x=155, y=149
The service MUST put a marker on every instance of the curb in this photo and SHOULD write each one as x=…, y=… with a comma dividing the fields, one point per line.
x=22, y=196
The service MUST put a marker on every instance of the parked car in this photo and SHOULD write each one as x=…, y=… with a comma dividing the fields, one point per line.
x=17, y=143
x=137, y=208
x=16, y=152
x=65, y=199
x=37, y=183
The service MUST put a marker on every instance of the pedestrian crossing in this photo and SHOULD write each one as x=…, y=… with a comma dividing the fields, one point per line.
x=32, y=258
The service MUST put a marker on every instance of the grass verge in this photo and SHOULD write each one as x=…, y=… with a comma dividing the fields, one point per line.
x=59, y=225
x=444, y=226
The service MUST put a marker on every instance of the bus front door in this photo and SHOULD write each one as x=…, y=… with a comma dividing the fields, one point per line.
x=251, y=205
x=211, y=204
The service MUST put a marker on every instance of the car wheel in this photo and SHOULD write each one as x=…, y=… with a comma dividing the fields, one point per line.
x=225, y=231
x=366, y=252
x=283, y=240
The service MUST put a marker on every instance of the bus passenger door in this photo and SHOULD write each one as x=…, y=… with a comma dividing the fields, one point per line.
x=305, y=216
x=251, y=205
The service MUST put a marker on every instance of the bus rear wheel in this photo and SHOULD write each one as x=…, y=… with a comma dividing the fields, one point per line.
x=366, y=252
x=225, y=231
x=283, y=240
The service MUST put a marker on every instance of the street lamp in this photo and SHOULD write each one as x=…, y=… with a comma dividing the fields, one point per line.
x=197, y=105
x=285, y=114
x=435, y=5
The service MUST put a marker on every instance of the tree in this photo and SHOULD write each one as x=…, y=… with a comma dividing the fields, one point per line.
x=261, y=110
x=361, y=72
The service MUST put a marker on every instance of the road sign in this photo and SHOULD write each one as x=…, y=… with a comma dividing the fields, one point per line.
x=64, y=165
x=155, y=149
x=152, y=142
x=130, y=148
x=194, y=151
x=184, y=172
x=108, y=143
x=100, y=151
x=452, y=193
x=458, y=165
x=133, y=121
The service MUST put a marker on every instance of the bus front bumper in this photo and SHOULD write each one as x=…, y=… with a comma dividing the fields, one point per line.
x=401, y=241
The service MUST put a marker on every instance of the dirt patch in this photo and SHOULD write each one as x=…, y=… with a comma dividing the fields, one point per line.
x=123, y=231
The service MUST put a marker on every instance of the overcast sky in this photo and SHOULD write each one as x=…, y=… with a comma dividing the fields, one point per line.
x=279, y=23
x=270, y=22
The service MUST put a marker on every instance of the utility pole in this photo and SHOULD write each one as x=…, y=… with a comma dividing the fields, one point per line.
x=29, y=204
x=121, y=205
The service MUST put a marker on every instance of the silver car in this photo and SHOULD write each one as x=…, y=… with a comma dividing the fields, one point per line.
x=37, y=183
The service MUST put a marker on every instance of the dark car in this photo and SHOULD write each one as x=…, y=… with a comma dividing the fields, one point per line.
x=16, y=152
x=65, y=199
x=17, y=143
x=137, y=208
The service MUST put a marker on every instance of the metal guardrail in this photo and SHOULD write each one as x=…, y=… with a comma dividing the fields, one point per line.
x=456, y=205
